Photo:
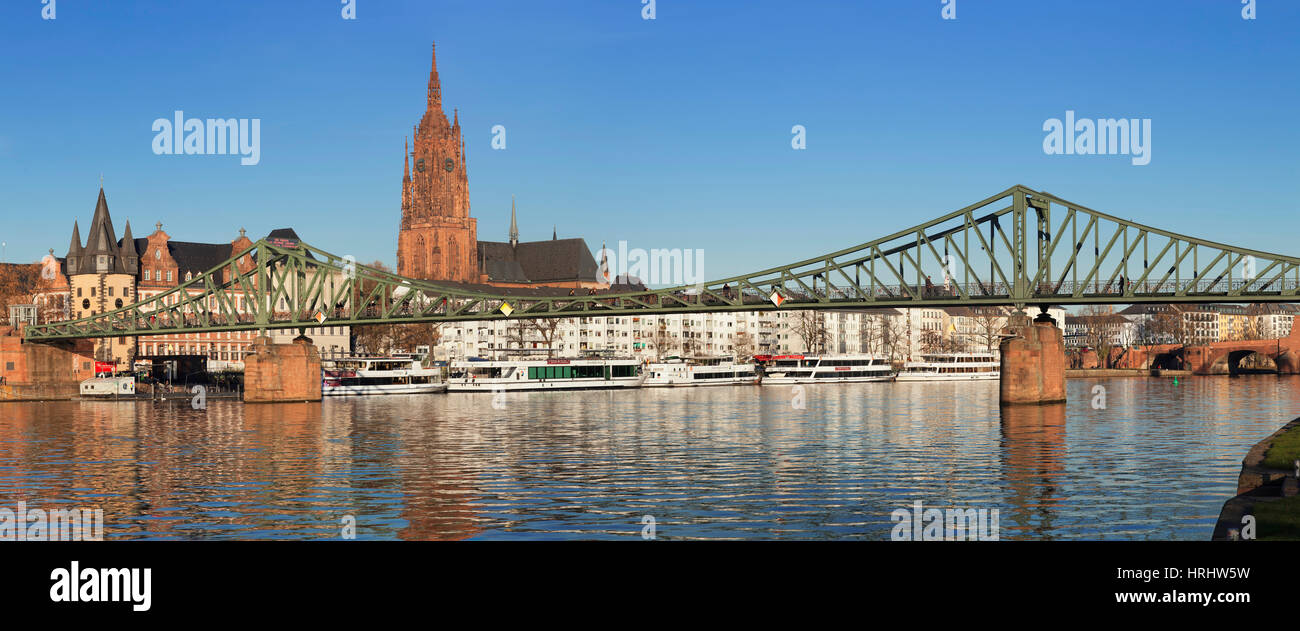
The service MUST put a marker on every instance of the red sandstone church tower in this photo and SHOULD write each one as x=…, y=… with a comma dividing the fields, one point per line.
x=438, y=240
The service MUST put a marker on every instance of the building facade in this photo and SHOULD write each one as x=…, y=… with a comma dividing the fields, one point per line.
x=895, y=333
x=438, y=239
x=106, y=273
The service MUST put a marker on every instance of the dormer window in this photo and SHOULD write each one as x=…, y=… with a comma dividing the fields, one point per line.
x=101, y=263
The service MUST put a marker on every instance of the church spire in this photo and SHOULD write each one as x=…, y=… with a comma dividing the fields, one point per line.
x=406, y=161
x=514, y=227
x=602, y=273
x=435, y=88
x=73, y=258
x=128, y=240
x=102, y=238
x=74, y=248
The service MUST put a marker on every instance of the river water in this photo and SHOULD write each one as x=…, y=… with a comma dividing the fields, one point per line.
x=1157, y=461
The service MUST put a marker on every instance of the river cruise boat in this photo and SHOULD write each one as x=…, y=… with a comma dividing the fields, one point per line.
x=108, y=387
x=544, y=374
x=379, y=375
x=788, y=369
x=703, y=371
x=952, y=367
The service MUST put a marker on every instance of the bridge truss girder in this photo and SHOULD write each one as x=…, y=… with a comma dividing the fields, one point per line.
x=1019, y=247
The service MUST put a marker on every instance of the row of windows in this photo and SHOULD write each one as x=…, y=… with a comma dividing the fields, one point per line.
x=125, y=291
x=581, y=372
x=723, y=375
x=567, y=372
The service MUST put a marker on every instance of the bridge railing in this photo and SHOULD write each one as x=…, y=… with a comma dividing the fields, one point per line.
x=1006, y=250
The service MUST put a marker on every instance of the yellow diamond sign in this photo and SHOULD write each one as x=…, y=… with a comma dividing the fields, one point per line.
x=507, y=309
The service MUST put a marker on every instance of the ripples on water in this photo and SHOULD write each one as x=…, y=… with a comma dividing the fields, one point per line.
x=719, y=462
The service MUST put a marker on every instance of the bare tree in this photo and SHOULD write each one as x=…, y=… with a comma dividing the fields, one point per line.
x=662, y=340
x=1171, y=323
x=1163, y=324
x=17, y=284
x=743, y=347
x=1254, y=323
x=868, y=335
x=810, y=326
x=933, y=341
x=517, y=334
x=1097, y=323
x=893, y=336
x=546, y=329
x=989, y=324
x=690, y=346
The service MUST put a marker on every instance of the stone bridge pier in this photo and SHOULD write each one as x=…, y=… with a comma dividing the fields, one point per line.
x=32, y=371
x=1033, y=362
x=282, y=373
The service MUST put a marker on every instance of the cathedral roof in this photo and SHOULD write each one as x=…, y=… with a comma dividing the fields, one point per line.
x=538, y=261
x=197, y=258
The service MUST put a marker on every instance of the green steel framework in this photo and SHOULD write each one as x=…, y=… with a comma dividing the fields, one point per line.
x=1030, y=259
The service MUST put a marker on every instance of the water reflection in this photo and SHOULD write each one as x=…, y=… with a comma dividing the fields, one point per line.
x=722, y=462
x=1033, y=444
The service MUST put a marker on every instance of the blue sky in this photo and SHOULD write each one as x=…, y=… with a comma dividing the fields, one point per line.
x=671, y=133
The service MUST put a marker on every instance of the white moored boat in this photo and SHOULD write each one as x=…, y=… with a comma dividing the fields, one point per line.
x=544, y=374
x=379, y=375
x=952, y=367
x=699, y=372
x=787, y=369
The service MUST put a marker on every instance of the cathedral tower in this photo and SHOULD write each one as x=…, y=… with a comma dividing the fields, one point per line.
x=437, y=239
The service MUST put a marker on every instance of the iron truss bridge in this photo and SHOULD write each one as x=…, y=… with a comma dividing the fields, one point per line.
x=1018, y=248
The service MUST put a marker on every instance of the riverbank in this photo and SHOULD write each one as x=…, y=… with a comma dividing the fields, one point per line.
x=1084, y=373
x=1266, y=491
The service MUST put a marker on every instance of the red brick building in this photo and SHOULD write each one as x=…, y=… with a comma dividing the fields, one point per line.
x=107, y=273
x=438, y=239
